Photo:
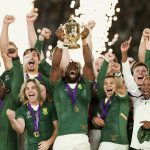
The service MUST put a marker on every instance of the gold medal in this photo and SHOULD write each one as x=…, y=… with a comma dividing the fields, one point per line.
x=76, y=109
x=36, y=134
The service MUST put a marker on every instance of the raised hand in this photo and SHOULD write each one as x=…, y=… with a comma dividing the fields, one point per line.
x=147, y=39
x=91, y=24
x=46, y=33
x=125, y=45
x=115, y=67
x=60, y=34
x=31, y=17
x=8, y=19
x=146, y=32
x=11, y=114
x=109, y=57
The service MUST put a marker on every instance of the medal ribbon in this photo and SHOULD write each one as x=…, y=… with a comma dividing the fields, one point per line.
x=104, y=108
x=72, y=94
x=34, y=118
x=39, y=77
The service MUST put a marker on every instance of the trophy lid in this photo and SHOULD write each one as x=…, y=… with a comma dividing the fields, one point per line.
x=72, y=20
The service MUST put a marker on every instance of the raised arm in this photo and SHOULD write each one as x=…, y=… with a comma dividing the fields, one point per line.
x=37, y=42
x=102, y=73
x=45, y=34
x=90, y=26
x=30, y=18
x=65, y=58
x=120, y=86
x=17, y=124
x=128, y=78
x=147, y=54
x=124, y=49
x=17, y=78
x=44, y=67
x=88, y=71
x=56, y=71
x=142, y=46
x=4, y=40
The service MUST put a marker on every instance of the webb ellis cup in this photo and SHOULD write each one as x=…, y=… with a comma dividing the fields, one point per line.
x=72, y=29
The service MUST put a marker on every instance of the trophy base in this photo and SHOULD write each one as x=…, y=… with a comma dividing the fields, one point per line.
x=74, y=46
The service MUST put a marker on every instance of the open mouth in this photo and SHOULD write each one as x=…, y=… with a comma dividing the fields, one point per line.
x=140, y=78
x=72, y=73
x=31, y=96
x=31, y=63
x=109, y=91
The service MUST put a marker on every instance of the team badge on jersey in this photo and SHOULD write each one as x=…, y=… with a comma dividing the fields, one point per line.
x=79, y=86
x=28, y=114
x=45, y=111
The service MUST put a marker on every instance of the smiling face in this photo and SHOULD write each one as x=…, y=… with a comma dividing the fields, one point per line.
x=31, y=60
x=31, y=93
x=139, y=73
x=145, y=88
x=72, y=73
x=109, y=86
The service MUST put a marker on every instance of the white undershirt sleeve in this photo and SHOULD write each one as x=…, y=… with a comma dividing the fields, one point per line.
x=129, y=80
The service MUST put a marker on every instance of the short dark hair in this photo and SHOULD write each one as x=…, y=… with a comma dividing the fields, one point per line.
x=109, y=76
x=138, y=64
x=75, y=63
x=31, y=50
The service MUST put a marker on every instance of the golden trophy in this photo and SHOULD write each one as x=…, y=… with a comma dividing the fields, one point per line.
x=72, y=31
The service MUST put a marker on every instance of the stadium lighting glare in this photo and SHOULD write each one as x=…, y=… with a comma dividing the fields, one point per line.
x=103, y=13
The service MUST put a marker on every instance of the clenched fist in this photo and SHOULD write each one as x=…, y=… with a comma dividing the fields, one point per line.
x=46, y=33
x=8, y=19
x=11, y=114
x=31, y=17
